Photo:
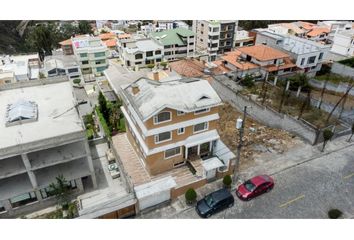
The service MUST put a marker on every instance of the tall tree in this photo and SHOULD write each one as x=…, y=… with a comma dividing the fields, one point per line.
x=61, y=191
x=42, y=38
x=85, y=27
x=103, y=107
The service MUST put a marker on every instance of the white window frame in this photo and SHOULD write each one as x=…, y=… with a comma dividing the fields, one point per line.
x=206, y=110
x=155, y=118
x=180, y=113
x=180, y=152
x=157, y=135
x=205, y=129
x=179, y=132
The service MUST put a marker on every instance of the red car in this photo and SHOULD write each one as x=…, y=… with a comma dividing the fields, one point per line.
x=255, y=187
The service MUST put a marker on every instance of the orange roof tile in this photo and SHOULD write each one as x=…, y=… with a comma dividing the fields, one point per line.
x=66, y=42
x=110, y=43
x=105, y=36
x=232, y=58
x=317, y=31
x=188, y=68
x=307, y=25
x=287, y=64
x=262, y=52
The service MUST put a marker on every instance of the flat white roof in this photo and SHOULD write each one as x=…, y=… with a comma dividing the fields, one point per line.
x=52, y=100
x=154, y=187
x=212, y=163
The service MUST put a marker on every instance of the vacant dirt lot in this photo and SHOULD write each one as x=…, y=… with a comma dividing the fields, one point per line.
x=257, y=137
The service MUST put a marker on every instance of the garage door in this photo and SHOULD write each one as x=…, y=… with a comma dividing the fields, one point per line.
x=154, y=192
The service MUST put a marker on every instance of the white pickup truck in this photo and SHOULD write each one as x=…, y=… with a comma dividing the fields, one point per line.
x=112, y=165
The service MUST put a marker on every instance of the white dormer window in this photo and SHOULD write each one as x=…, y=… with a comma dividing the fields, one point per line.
x=162, y=117
x=180, y=113
x=201, y=111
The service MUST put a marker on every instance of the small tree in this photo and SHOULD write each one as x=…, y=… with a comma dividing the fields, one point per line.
x=190, y=195
x=151, y=65
x=351, y=135
x=103, y=106
x=77, y=81
x=334, y=213
x=327, y=135
x=248, y=81
x=60, y=189
x=227, y=180
x=164, y=64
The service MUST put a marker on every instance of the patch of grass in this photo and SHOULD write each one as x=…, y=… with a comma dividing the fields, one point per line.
x=348, y=62
x=121, y=125
x=333, y=78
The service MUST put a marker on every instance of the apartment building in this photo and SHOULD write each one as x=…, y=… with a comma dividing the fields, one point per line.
x=60, y=64
x=137, y=50
x=343, y=43
x=214, y=37
x=177, y=43
x=258, y=61
x=307, y=55
x=172, y=122
x=43, y=137
x=19, y=68
x=91, y=54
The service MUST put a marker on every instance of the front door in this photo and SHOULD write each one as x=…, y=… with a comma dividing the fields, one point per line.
x=193, y=152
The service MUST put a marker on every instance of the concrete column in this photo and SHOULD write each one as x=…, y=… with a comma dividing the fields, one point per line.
x=287, y=85
x=39, y=195
x=79, y=184
x=7, y=206
x=30, y=173
x=275, y=80
x=90, y=163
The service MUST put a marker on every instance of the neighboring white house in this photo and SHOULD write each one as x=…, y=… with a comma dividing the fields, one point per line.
x=308, y=55
x=243, y=38
x=59, y=64
x=343, y=43
x=139, y=51
x=91, y=54
x=177, y=43
x=21, y=68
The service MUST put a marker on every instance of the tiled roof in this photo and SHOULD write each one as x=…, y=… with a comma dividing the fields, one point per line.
x=317, y=31
x=105, y=36
x=262, y=52
x=110, y=43
x=66, y=42
x=232, y=58
x=124, y=35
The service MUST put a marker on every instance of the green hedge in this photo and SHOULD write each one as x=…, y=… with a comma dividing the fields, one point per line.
x=103, y=123
x=121, y=125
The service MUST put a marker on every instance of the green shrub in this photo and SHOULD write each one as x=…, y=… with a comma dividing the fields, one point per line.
x=103, y=123
x=151, y=65
x=227, y=180
x=348, y=62
x=77, y=81
x=89, y=133
x=164, y=64
x=334, y=213
x=190, y=195
x=248, y=81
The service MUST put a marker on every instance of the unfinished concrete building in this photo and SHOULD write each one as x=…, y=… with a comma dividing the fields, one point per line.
x=42, y=137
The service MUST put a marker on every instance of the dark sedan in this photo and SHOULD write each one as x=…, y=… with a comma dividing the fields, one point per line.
x=214, y=202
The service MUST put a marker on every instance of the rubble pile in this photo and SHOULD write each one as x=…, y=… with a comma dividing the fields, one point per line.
x=257, y=137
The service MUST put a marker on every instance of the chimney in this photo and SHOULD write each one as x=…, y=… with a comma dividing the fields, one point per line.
x=155, y=75
x=135, y=88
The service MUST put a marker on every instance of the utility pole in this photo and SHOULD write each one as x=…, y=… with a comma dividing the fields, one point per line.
x=239, y=147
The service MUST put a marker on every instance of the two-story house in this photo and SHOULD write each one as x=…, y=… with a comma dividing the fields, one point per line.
x=174, y=122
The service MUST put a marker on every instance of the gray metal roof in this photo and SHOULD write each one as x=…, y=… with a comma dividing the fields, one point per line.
x=21, y=110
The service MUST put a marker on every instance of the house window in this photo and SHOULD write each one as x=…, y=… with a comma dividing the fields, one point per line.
x=172, y=152
x=100, y=69
x=321, y=56
x=149, y=54
x=200, y=127
x=302, y=61
x=84, y=62
x=138, y=56
x=158, y=52
x=162, y=117
x=23, y=199
x=191, y=43
x=201, y=111
x=163, y=137
x=180, y=113
x=83, y=55
x=180, y=131
x=311, y=60
x=100, y=54
x=73, y=70
x=100, y=62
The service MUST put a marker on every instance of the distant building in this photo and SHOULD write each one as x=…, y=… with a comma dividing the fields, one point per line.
x=91, y=53
x=244, y=38
x=343, y=43
x=308, y=55
x=214, y=37
x=67, y=47
x=60, y=64
x=177, y=43
x=45, y=138
x=19, y=68
x=139, y=51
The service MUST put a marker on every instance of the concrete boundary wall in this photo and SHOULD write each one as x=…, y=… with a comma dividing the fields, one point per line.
x=32, y=83
x=339, y=88
x=342, y=69
x=265, y=115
